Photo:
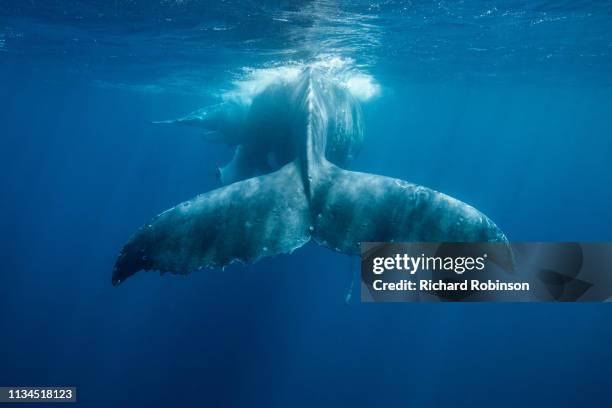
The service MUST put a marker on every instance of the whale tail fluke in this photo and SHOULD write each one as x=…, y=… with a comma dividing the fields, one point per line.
x=242, y=222
x=354, y=207
x=271, y=214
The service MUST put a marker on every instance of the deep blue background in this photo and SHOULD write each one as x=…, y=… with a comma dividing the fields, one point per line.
x=81, y=167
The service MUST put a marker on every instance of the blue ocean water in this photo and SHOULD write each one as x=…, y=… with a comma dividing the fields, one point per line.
x=502, y=104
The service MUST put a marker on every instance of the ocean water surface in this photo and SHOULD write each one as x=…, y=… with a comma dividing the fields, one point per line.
x=502, y=104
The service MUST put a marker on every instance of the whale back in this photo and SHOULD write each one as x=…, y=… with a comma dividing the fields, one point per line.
x=269, y=128
x=334, y=117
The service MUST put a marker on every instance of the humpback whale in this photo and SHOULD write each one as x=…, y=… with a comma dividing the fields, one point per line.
x=294, y=133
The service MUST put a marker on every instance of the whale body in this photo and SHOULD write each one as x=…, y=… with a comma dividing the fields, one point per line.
x=286, y=185
x=266, y=125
